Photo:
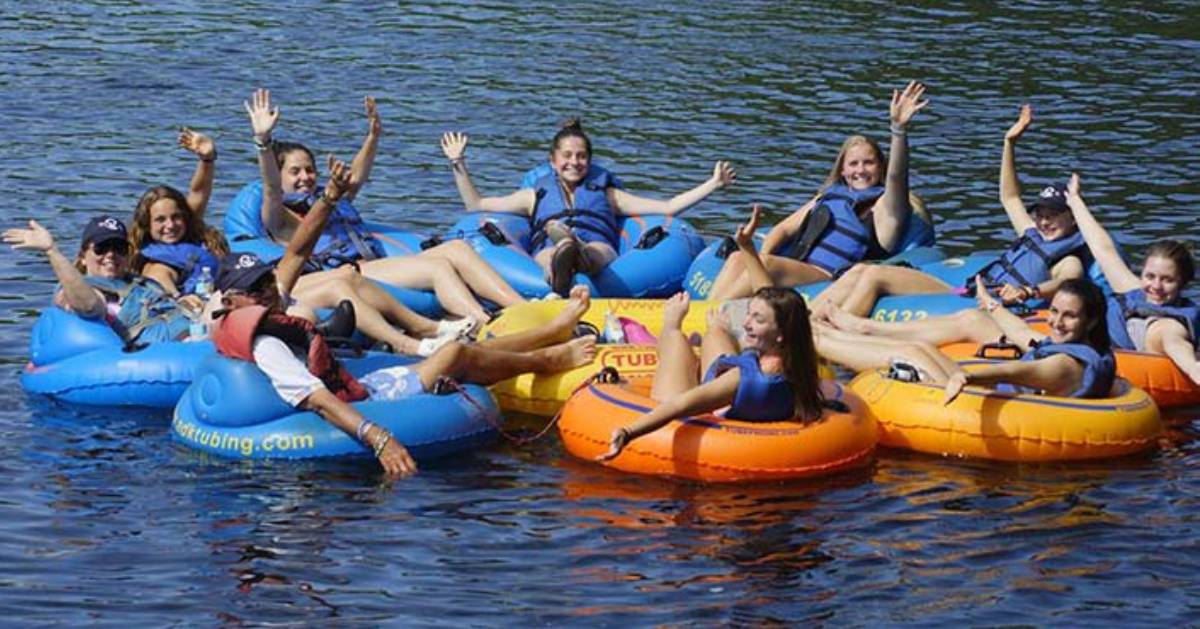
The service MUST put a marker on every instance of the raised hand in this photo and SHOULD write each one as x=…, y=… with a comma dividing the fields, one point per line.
x=620, y=438
x=339, y=179
x=198, y=143
x=374, y=124
x=1073, y=186
x=1022, y=123
x=35, y=238
x=907, y=103
x=723, y=174
x=454, y=145
x=744, y=236
x=262, y=115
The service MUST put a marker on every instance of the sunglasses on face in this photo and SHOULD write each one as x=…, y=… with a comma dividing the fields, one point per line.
x=119, y=247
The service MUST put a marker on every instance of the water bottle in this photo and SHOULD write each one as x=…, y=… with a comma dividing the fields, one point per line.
x=613, y=332
x=198, y=329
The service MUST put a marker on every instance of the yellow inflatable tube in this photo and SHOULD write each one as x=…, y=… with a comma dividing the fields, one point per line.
x=1005, y=426
x=541, y=394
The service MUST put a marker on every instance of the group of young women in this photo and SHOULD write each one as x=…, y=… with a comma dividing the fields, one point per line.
x=143, y=282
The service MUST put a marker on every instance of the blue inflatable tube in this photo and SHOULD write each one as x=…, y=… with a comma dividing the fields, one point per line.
x=653, y=256
x=245, y=231
x=83, y=361
x=232, y=411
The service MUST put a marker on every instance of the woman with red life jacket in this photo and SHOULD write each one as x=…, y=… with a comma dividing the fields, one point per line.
x=1048, y=250
x=297, y=361
x=862, y=212
x=453, y=270
x=574, y=209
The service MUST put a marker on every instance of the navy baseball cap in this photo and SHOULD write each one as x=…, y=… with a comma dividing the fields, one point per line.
x=240, y=270
x=104, y=228
x=1052, y=198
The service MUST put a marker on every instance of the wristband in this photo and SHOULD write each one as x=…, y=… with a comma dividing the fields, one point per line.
x=209, y=160
x=383, y=441
x=454, y=161
x=262, y=145
x=363, y=427
x=898, y=130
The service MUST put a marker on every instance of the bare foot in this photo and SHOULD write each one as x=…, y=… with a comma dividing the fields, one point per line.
x=565, y=321
x=574, y=353
x=674, y=310
x=846, y=321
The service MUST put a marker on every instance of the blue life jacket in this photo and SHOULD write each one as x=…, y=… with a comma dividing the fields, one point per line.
x=832, y=236
x=186, y=259
x=345, y=239
x=1030, y=258
x=1133, y=305
x=592, y=218
x=145, y=312
x=760, y=396
x=1099, y=370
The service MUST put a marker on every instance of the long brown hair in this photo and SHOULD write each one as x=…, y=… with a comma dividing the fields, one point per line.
x=835, y=173
x=799, y=354
x=196, y=233
x=1178, y=253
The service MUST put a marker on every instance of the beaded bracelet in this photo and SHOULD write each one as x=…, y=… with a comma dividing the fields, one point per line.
x=387, y=436
x=263, y=144
x=898, y=130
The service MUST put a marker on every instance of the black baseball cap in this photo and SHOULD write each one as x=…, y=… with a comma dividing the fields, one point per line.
x=241, y=270
x=104, y=228
x=1052, y=198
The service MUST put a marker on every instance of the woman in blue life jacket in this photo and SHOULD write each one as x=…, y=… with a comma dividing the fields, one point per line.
x=453, y=270
x=861, y=212
x=169, y=241
x=575, y=209
x=1147, y=312
x=171, y=244
x=98, y=284
x=1074, y=360
x=771, y=377
x=1048, y=250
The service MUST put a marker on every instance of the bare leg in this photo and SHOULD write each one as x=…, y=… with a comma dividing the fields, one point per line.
x=677, y=370
x=426, y=273
x=327, y=292
x=965, y=326
x=480, y=365
x=861, y=353
x=560, y=328
x=784, y=272
x=717, y=340
x=480, y=277
x=859, y=289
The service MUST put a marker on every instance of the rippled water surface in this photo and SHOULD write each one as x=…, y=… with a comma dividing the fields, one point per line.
x=104, y=520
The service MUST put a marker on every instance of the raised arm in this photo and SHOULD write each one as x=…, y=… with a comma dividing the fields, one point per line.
x=892, y=210
x=301, y=245
x=633, y=205
x=1104, y=250
x=454, y=145
x=262, y=120
x=1010, y=185
x=784, y=230
x=360, y=168
x=757, y=271
x=200, y=189
x=706, y=397
x=76, y=294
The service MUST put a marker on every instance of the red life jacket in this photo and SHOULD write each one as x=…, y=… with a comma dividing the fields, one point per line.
x=234, y=337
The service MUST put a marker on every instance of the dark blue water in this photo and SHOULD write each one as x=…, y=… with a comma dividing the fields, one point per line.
x=104, y=520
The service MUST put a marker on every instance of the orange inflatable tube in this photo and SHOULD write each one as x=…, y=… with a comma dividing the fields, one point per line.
x=714, y=449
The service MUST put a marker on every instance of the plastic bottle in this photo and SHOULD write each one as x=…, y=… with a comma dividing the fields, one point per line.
x=613, y=332
x=198, y=329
